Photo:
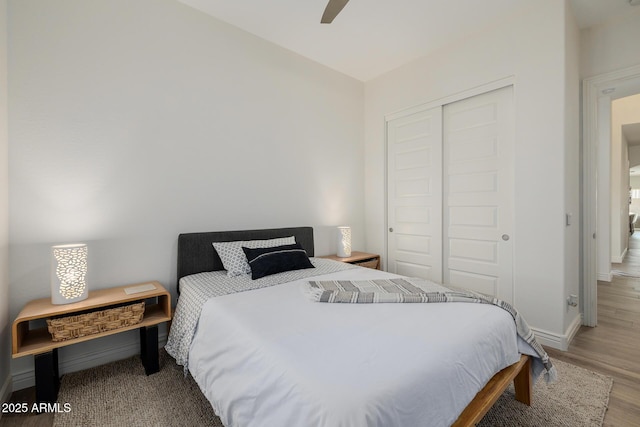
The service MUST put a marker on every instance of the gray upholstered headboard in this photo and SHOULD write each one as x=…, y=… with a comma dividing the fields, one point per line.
x=196, y=253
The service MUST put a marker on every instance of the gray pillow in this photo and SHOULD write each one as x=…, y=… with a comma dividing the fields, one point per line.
x=233, y=258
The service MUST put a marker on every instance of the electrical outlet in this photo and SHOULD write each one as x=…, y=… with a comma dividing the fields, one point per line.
x=572, y=301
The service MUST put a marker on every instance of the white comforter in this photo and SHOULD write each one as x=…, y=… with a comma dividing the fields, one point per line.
x=271, y=357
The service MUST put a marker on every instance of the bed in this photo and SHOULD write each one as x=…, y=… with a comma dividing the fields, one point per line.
x=264, y=353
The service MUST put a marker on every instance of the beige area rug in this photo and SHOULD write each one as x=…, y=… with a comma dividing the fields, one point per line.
x=579, y=398
x=120, y=394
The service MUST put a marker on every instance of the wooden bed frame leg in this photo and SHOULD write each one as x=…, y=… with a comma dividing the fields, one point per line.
x=519, y=373
x=523, y=384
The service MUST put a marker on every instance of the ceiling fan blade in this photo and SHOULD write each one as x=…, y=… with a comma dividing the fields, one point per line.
x=332, y=10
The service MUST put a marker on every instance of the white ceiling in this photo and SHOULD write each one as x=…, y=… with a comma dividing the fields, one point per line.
x=369, y=38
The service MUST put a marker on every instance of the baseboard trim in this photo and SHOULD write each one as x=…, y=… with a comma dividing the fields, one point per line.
x=605, y=277
x=620, y=258
x=548, y=338
x=573, y=329
x=85, y=360
x=558, y=341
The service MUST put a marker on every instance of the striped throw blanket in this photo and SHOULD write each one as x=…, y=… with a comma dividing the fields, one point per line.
x=412, y=290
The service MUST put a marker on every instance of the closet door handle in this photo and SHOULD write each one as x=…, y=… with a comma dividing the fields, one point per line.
x=390, y=229
x=505, y=237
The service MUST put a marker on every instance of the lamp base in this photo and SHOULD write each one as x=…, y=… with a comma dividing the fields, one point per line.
x=58, y=299
x=343, y=254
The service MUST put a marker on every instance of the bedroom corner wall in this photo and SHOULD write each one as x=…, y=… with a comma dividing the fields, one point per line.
x=134, y=121
x=529, y=47
x=5, y=322
x=572, y=190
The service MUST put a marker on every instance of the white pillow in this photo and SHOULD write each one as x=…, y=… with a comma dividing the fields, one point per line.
x=233, y=257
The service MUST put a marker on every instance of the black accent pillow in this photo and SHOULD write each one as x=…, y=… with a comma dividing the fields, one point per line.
x=267, y=261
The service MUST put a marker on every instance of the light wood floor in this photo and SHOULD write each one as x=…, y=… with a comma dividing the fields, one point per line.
x=611, y=348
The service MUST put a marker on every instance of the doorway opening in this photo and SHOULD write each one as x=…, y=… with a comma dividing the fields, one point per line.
x=599, y=244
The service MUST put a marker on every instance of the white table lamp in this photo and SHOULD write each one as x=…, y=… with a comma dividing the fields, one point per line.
x=344, y=242
x=68, y=271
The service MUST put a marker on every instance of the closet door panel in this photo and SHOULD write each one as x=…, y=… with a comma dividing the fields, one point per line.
x=414, y=195
x=478, y=193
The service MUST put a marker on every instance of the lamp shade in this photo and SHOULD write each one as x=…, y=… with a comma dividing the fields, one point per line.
x=344, y=242
x=68, y=271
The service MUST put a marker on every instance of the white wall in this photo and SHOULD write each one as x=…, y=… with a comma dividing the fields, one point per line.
x=603, y=191
x=623, y=111
x=634, y=160
x=530, y=47
x=134, y=121
x=612, y=45
x=572, y=168
x=5, y=323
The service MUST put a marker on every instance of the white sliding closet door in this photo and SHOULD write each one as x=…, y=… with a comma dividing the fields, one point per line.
x=450, y=194
x=479, y=193
x=414, y=195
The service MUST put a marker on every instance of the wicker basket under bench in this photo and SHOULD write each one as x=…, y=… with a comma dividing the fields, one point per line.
x=105, y=312
x=95, y=322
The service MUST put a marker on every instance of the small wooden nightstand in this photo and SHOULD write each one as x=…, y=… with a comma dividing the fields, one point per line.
x=362, y=259
x=39, y=343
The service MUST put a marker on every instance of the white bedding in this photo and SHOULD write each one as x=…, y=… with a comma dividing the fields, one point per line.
x=196, y=290
x=271, y=357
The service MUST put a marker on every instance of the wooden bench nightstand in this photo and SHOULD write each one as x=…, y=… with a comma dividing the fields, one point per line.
x=39, y=343
x=362, y=259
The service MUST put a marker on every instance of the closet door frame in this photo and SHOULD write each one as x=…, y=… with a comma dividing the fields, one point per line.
x=441, y=102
